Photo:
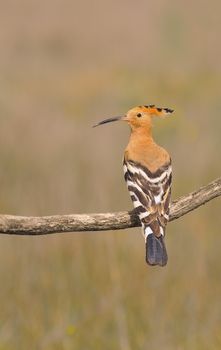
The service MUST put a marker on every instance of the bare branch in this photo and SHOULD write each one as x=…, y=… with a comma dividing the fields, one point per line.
x=21, y=225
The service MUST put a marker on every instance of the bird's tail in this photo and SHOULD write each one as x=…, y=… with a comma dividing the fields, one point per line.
x=156, y=253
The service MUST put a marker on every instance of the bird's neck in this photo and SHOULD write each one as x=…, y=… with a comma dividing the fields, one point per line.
x=143, y=135
x=143, y=150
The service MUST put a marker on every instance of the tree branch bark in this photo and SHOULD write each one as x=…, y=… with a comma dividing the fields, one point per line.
x=21, y=225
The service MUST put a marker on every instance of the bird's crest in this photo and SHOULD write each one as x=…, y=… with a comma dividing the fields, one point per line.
x=153, y=110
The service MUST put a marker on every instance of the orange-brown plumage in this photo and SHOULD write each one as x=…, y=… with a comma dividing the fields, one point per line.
x=141, y=147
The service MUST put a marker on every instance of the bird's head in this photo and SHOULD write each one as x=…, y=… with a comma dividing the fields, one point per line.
x=140, y=117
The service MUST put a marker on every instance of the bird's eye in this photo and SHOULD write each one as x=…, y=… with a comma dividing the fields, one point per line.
x=139, y=115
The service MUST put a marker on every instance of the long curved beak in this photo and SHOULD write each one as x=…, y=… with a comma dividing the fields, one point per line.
x=109, y=120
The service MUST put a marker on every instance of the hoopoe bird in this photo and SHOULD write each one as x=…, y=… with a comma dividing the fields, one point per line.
x=148, y=174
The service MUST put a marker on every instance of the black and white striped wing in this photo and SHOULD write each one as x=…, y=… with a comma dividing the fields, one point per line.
x=150, y=193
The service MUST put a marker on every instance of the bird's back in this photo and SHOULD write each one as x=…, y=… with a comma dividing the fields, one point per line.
x=148, y=174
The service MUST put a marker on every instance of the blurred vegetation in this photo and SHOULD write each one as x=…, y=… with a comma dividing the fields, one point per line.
x=65, y=65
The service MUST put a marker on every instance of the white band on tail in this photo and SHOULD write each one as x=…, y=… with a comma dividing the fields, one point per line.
x=147, y=231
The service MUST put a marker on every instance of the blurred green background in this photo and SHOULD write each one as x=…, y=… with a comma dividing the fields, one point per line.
x=65, y=65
